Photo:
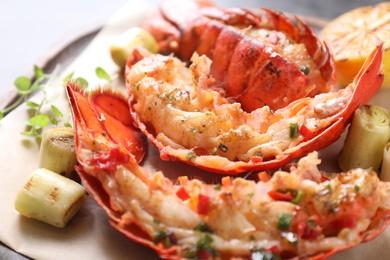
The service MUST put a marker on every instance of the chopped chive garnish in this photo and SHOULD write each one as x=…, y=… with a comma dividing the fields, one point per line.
x=298, y=197
x=294, y=130
x=284, y=222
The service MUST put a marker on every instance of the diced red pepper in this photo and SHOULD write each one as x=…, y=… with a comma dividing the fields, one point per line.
x=274, y=249
x=203, y=204
x=324, y=178
x=280, y=196
x=256, y=159
x=109, y=161
x=182, y=194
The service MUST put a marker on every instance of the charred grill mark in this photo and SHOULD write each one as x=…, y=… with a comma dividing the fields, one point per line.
x=272, y=69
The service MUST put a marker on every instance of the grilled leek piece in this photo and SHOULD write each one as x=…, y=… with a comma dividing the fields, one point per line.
x=57, y=151
x=367, y=136
x=385, y=168
x=50, y=198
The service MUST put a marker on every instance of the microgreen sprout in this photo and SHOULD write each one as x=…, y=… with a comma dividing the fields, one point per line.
x=102, y=74
x=25, y=88
x=41, y=82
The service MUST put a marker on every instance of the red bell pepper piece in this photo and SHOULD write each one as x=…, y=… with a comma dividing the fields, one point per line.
x=182, y=194
x=203, y=204
x=256, y=159
x=276, y=195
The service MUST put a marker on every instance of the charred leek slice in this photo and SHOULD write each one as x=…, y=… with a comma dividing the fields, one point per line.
x=57, y=151
x=121, y=48
x=385, y=169
x=366, y=139
x=50, y=198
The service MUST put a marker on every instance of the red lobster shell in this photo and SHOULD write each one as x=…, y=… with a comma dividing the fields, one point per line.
x=109, y=150
x=140, y=204
x=320, y=120
x=250, y=51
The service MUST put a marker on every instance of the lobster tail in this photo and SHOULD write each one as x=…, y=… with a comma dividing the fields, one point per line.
x=250, y=51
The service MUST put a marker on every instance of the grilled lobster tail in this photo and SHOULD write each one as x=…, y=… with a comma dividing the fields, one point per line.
x=296, y=214
x=261, y=58
x=188, y=121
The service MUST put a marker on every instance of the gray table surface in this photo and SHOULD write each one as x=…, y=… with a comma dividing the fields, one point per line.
x=31, y=30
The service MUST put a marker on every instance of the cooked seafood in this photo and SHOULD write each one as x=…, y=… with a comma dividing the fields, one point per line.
x=183, y=111
x=291, y=214
x=188, y=120
x=262, y=58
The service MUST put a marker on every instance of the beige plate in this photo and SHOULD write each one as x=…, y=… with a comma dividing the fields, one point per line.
x=88, y=235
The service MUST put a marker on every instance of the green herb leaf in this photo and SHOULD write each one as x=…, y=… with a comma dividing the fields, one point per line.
x=284, y=222
x=54, y=121
x=27, y=133
x=168, y=239
x=329, y=188
x=32, y=104
x=203, y=246
x=83, y=82
x=66, y=124
x=191, y=253
x=203, y=227
x=102, y=74
x=39, y=121
x=67, y=77
x=38, y=72
x=25, y=87
x=22, y=83
x=159, y=237
x=35, y=86
x=190, y=155
x=298, y=197
x=205, y=242
x=56, y=111
x=218, y=187
x=311, y=223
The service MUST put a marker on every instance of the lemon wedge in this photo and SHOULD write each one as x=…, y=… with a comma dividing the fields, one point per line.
x=353, y=35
